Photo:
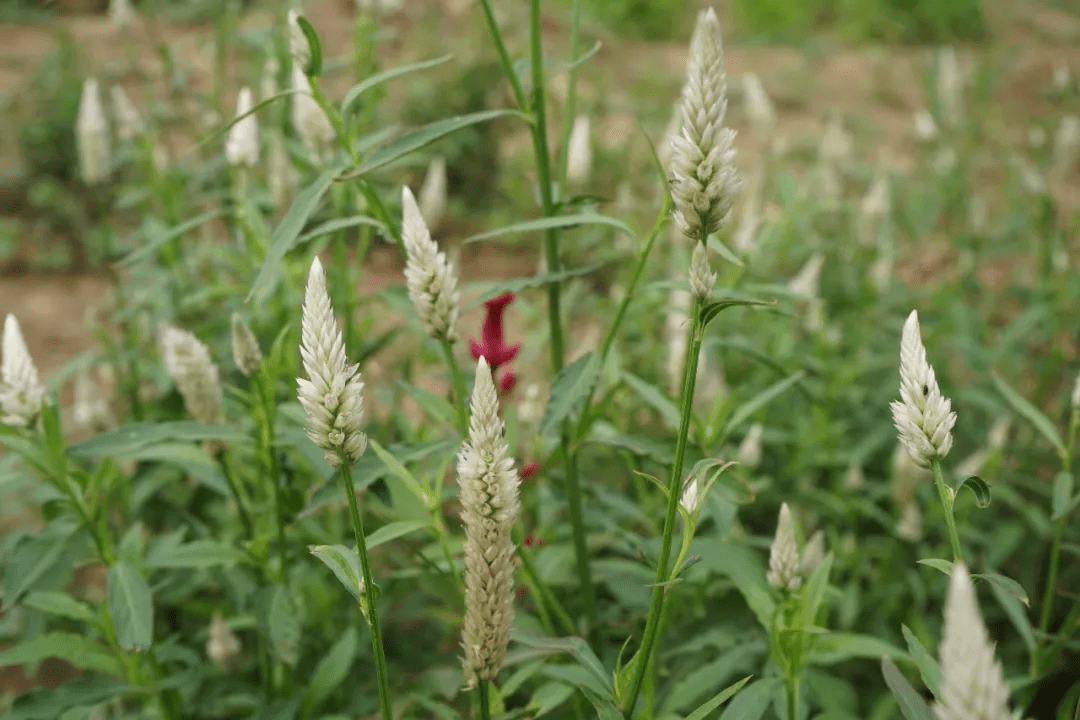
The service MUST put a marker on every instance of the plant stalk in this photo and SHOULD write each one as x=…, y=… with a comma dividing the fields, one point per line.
x=461, y=394
x=947, y=498
x=485, y=700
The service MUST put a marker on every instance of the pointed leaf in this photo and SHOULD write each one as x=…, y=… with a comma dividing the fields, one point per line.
x=980, y=487
x=426, y=135
x=835, y=647
x=813, y=592
x=928, y=667
x=744, y=411
x=551, y=223
x=332, y=226
x=345, y=564
x=196, y=554
x=723, y=696
x=1017, y=613
x=399, y=470
x=80, y=651
x=360, y=88
x=573, y=646
x=714, y=307
x=1007, y=584
x=158, y=235
x=62, y=604
x=394, y=530
x=131, y=607
x=568, y=390
x=943, y=566
x=434, y=405
x=912, y=706
x=654, y=397
x=1029, y=411
x=127, y=439
x=314, y=67
x=334, y=667
x=516, y=285
x=753, y=701
x=284, y=626
x=1063, y=491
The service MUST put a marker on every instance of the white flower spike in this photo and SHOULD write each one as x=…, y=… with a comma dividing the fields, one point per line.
x=242, y=143
x=691, y=497
x=784, y=562
x=332, y=394
x=579, y=152
x=702, y=278
x=21, y=393
x=309, y=120
x=923, y=417
x=759, y=109
x=129, y=123
x=973, y=684
x=433, y=193
x=429, y=276
x=92, y=136
x=489, y=501
x=245, y=347
x=188, y=362
x=749, y=453
x=299, y=46
x=223, y=646
x=703, y=176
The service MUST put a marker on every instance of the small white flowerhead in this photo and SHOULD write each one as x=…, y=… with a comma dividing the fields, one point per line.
x=579, y=156
x=950, y=87
x=89, y=410
x=92, y=136
x=188, y=362
x=21, y=393
x=121, y=14
x=299, y=46
x=223, y=647
x=245, y=346
x=310, y=122
x=530, y=409
x=877, y=202
x=1061, y=78
x=749, y=453
x=807, y=282
x=489, y=502
x=691, y=497
x=704, y=180
x=972, y=682
x=854, y=478
x=1075, y=398
x=268, y=84
x=429, y=276
x=332, y=394
x=433, y=193
x=129, y=123
x=836, y=142
x=242, y=143
x=784, y=560
x=759, y=109
x=702, y=277
x=923, y=417
x=1066, y=145
x=925, y=127
x=909, y=526
x=280, y=173
x=745, y=240
x=978, y=214
x=813, y=554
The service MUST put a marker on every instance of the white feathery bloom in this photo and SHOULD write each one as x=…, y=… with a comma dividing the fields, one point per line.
x=749, y=452
x=129, y=123
x=1066, y=144
x=877, y=202
x=813, y=553
x=925, y=127
x=745, y=238
x=579, y=156
x=972, y=681
x=530, y=409
x=1061, y=78
x=309, y=120
x=280, y=173
x=245, y=346
x=299, y=46
x=223, y=646
x=242, y=143
x=196, y=376
x=950, y=87
x=21, y=393
x=784, y=563
x=808, y=281
x=836, y=142
x=268, y=84
x=703, y=176
x=332, y=394
x=909, y=526
x=691, y=497
x=906, y=476
x=702, y=277
x=923, y=417
x=489, y=502
x=854, y=478
x=759, y=109
x=881, y=271
x=121, y=14
x=89, y=410
x=430, y=278
x=998, y=434
x=432, y=198
x=1036, y=137
x=92, y=136
x=1075, y=398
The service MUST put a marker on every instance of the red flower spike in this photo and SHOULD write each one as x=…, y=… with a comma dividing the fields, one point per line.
x=507, y=383
x=529, y=470
x=494, y=347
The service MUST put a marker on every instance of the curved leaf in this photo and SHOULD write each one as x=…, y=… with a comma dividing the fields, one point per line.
x=549, y=223
x=568, y=389
x=573, y=646
x=360, y=88
x=702, y=712
x=912, y=706
x=80, y=651
x=980, y=487
x=1029, y=411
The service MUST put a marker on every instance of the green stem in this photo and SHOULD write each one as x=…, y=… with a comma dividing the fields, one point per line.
x=1064, y=633
x=440, y=532
x=234, y=489
x=461, y=394
x=504, y=56
x=947, y=496
x=793, y=696
x=545, y=597
x=485, y=701
x=659, y=592
x=577, y=523
x=369, y=592
x=1051, y=583
x=266, y=400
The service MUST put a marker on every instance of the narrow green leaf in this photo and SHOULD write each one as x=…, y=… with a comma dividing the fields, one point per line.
x=605, y=709
x=704, y=680
x=516, y=285
x=980, y=487
x=284, y=626
x=1029, y=411
x=285, y=234
x=195, y=554
x=394, y=530
x=753, y=701
x=59, y=603
x=551, y=223
x=27, y=563
x=334, y=667
x=131, y=607
x=835, y=647
x=255, y=109
x=332, y=226
x=944, y=566
x=360, y=88
x=568, y=390
x=813, y=592
x=928, y=667
x=746, y=571
x=80, y=651
x=345, y=564
x=573, y=646
x=1018, y=614
x=912, y=706
x=714, y=307
x=766, y=396
x=723, y=696
x=158, y=235
x=435, y=406
x=399, y=470
x=654, y=397
x=1063, y=491
x=314, y=67
x=426, y=135
x=1007, y=585
x=127, y=439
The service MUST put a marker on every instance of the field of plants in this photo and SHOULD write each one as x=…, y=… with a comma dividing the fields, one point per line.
x=639, y=359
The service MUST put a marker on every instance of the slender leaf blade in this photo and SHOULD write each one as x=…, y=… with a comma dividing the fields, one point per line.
x=568, y=390
x=131, y=606
x=553, y=223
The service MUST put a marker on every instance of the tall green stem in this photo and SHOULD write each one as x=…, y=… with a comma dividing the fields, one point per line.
x=485, y=700
x=461, y=395
x=793, y=697
x=1051, y=583
x=370, y=593
x=234, y=489
x=656, y=604
x=947, y=498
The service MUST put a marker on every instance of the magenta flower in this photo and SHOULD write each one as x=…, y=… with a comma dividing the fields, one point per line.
x=494, y=348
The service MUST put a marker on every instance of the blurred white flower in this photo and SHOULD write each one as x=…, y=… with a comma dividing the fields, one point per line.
x=268, y=85
x=89, y=411
x=837, y=144
x=92, y=136
x=531, y=408
x=978, y=214
x=129, y=123
x=876, y=204
x=749, y=453
x=1036, y=137
x=909, y=526
x=690, y=498
x=745, y=238
x=923, y=417
x=242, y=142
x=881, y=270
x=299, y=46
x=853, y=477
x=1062, y=78
x=675, y=325
x=1075, y=398
x=704, y=180
x=579, y=157
x=196, y=376
x=310, y=122
x=245, y=346
x=223, y=647
x=1066, y=145
x=759, y=109
x=21, y=393
x=950, y=87
x=281, y=175
x=784, y=562
x=925, y=127
x=433, y=193
x=972, y=681
x=121, y=14
x=813, y=553
x=808, y=280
